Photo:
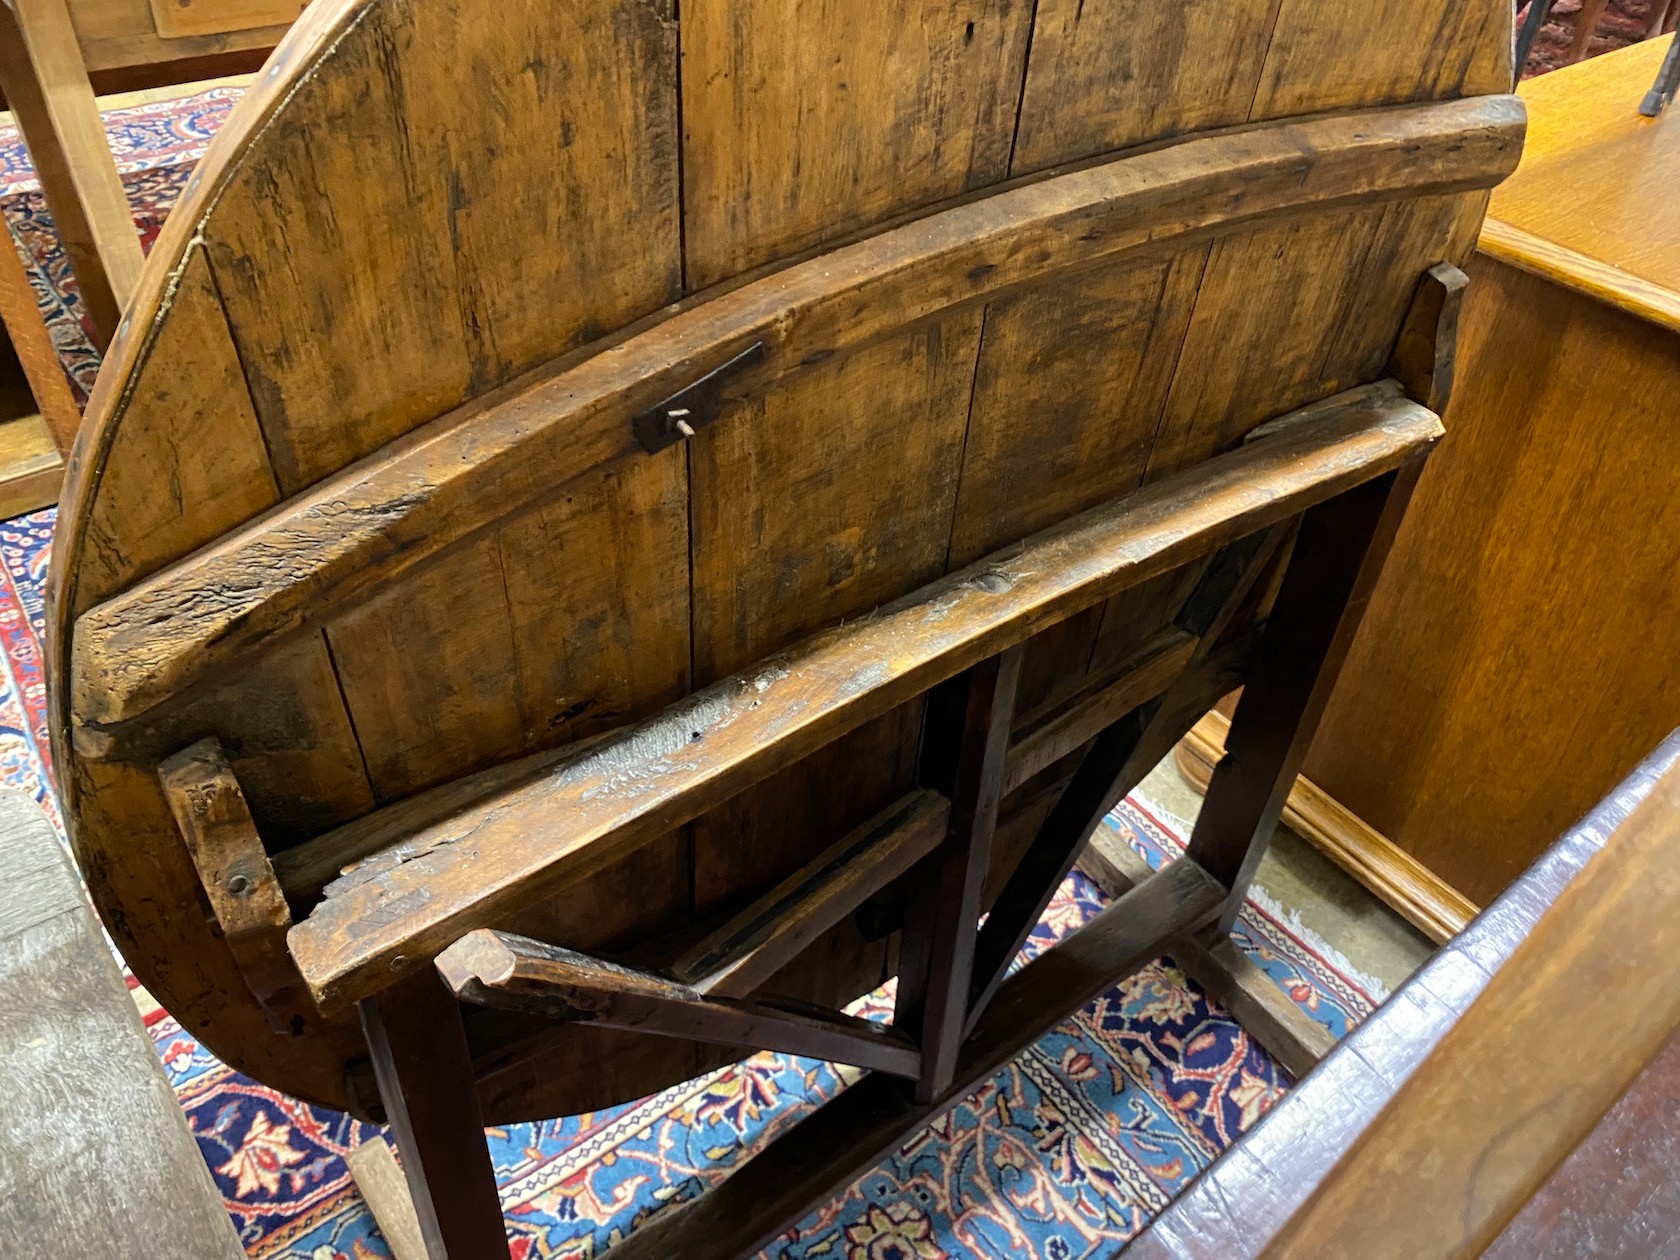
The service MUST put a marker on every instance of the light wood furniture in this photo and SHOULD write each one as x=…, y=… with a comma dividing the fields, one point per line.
x=54, y=55
x=1479, y=716
x=93, y=1146
x=790, y=553
x=1510, y=1100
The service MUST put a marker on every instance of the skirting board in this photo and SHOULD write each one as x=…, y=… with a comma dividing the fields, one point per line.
x=1394, y=876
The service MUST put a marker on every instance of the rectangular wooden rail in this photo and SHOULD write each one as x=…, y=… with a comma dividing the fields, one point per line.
x=522, y=844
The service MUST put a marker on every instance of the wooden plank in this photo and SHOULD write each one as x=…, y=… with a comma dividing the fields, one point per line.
x=1338, y=554
x=117, y=34
x=1368, y=52
x=805, y=122
x=739, y=955
x=936, y=950
x=426, y=1080
x=740, y=730
x=237, y=878
x=47, y=89
x=1067, y=396
x=478, y=285
x=1449, y=1135
x=384, y=1189
x=178, y=18
x=93, y=1144
x=579, y=624
x=376, y=523
x=30, y=467
x=32, y=347
x=1224, y=971
x=1423, y=357
x=306, y=869
x=1062, y=732
x=190, y=428
x=510, y=972
x=823, y=1154
x=1138, y=74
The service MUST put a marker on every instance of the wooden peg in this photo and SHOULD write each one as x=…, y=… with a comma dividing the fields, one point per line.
x=1423, y=356
x=246, y=898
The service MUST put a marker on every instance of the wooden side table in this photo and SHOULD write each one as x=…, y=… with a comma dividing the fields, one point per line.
x=1522, y=650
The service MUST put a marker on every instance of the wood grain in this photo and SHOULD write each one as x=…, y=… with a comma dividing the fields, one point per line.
x=1138, y=73
x=345, y=952
x=322, y=550
x=501, y=970
x=805, y=122
x=178, y=18
x=1591, y=166
x=47, y=89
x=1248, y=1197
x=93, y=1144
x=1469, y=678
x=1398, y=879
x=1470, y=1154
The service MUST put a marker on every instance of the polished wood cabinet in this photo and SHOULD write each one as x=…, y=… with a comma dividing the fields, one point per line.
x=1522, y=651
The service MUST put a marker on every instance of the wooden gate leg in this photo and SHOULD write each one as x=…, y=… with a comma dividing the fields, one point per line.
x=963, y=745
x=421, y=1061
x=1337, y=557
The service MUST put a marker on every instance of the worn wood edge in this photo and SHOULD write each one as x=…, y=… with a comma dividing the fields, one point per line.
x=1395, y=877
x=299, y=54
x=30, y=484
x=1608, y=921
x=342, y=541
x=929, y=635
x=827, y=1151
x=305, y=870
x=384, y=1189
x=1580, y=274
x=1264, y=1011
x=514, y=973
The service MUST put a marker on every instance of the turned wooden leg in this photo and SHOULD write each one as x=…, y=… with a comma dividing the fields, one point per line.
x=424, y=1070
x=1337, y=557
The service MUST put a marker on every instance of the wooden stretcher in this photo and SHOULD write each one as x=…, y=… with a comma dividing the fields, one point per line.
x=584, y=561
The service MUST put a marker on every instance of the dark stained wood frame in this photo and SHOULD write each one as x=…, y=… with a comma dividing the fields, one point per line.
x=1331, y=483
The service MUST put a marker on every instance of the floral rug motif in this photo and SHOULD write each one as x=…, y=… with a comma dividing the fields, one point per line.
x=1065, y=1154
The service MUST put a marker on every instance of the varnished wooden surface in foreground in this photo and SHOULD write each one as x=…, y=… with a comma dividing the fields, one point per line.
x=1428, y=1130
x=386, y=357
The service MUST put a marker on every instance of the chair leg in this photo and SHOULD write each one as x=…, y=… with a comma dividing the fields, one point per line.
x=1586, y=26
x=421, y=1061
x=1337, y=558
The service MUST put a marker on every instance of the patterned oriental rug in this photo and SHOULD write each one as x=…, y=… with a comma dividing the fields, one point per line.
x=1065, y=1154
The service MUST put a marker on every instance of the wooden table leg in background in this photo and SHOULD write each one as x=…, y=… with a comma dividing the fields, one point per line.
x=46, y=86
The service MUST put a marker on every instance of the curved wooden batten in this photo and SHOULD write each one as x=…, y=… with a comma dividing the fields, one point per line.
x=321, y=553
